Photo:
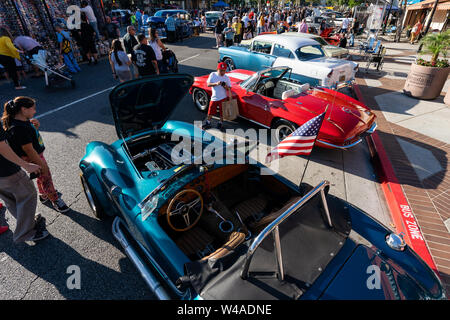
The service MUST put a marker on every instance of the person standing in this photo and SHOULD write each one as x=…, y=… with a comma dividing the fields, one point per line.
x=345, y=25
x=87, y=36
x=129, y=42
x=87, y=10
x=18, y=192
x=171, y=28
x=110, y=31
x=220, y=84
x=415, y=32
x=138, y=16
x=27, y=143
x=158, y=47
x=65, y=49
x=237, y=26
x=119, y=61
x=218, y=29
x=354, y=32
x=179, y=27
x=303, y=27
x=260, y=25
x=229, y=35
x=144, y=57
x=8, y=52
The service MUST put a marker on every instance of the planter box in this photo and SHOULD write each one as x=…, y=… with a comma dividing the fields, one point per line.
x=425, y=82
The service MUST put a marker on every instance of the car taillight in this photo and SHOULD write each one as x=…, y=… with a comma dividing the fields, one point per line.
x=330, y=74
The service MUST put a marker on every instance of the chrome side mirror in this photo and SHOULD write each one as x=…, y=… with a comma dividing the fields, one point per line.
x=396, y=241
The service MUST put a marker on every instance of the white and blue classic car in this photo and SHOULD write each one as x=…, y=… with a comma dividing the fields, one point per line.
x=304, y=56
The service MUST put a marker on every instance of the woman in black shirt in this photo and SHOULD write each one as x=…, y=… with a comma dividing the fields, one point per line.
x=27, y=143
x=218, y=33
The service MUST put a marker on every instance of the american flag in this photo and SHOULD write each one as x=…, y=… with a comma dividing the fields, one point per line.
x=301, y=141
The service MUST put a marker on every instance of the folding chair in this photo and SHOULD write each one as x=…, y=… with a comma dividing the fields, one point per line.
x=366, y=45
x=376, y=59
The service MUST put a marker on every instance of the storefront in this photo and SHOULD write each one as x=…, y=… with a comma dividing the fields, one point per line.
x=421, y=11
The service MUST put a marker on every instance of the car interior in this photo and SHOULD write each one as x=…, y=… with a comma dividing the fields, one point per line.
x=228, y=206
x=280, y=88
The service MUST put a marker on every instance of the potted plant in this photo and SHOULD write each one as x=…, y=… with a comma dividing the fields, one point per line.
x=427, y=78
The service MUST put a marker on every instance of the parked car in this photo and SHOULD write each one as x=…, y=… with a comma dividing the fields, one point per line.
x=202, y=231
x=305, y=56
x=330, y=50
x=314, y=23
x=274, y=99
x=211, y=18
x=119, y=15
x=229, y=14
x=161, y=16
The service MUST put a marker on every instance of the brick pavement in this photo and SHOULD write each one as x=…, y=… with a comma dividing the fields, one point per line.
x=425, y=183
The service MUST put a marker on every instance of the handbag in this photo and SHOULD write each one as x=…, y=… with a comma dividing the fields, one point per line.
x=230, y=109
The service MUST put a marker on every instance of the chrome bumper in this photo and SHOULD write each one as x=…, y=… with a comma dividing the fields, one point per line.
x=364, y=134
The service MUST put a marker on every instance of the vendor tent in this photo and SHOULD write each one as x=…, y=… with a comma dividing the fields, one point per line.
x=220, y=4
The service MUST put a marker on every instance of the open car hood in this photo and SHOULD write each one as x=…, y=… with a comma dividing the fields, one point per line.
x=146, y=103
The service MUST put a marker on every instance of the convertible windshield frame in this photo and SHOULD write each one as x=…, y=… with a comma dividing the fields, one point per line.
x=244, y=84
x=273, y=228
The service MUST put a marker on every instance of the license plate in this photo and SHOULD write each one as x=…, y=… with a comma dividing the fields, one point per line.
x=342, y=78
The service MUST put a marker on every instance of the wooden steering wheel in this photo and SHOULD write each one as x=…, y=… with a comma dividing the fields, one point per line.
x=185, y=210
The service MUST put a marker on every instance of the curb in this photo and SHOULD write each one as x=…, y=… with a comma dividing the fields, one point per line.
x=400, y=211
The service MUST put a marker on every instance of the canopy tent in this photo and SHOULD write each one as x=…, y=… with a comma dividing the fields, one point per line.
x=220, y=4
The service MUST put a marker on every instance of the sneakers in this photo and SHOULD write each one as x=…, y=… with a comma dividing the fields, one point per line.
x=60, y=206
x=206, y=124
x=39, y=235
x=43, y=199
x=219, y=125
x=39, y=222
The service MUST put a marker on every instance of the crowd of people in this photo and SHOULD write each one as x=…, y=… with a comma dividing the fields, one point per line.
x=139, y=53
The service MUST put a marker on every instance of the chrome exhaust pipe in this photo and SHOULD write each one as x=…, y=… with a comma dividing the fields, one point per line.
x=154, y=285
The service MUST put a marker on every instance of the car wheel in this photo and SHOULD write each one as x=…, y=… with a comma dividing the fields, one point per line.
x=230, y=64
x=283, y=128
x=92, y=199
x=201, y=99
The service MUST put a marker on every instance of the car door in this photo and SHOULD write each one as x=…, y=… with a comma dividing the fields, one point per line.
x=261, y=57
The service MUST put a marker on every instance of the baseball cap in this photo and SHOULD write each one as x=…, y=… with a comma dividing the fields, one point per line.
x=222, y=66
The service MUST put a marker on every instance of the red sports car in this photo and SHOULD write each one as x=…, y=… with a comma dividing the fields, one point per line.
x=274, y=99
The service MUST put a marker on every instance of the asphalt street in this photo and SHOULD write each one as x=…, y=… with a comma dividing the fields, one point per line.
x=70, y=119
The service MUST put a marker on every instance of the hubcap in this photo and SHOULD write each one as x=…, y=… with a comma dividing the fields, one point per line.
x=230, y=64
x=283, y=131
x=201, y=100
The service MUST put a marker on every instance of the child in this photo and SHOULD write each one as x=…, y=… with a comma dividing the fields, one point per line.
x=27, y=143
x=65, y=48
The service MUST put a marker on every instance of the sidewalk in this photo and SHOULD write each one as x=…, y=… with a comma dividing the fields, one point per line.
x=416, y=137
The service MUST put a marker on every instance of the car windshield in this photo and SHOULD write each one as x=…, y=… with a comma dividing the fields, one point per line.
x=309, y=52
x=271, y=73
x=212, y=14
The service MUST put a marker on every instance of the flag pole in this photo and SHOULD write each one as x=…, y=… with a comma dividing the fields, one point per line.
x=309, y=155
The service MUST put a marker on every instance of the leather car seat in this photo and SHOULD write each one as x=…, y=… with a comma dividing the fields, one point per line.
x=257, y=227
x=288, y=93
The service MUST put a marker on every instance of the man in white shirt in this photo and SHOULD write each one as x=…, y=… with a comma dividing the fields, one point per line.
x=87, y=10
x=245, y=19
x=220, y=84
x=345, y=24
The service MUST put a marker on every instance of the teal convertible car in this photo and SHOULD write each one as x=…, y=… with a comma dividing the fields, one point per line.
x=197, y=229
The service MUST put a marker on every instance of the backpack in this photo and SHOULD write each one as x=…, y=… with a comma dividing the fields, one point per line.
x=66, y=46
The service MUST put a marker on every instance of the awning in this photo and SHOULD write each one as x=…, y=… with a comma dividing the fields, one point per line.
x=443, y=6
x=426, y=4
